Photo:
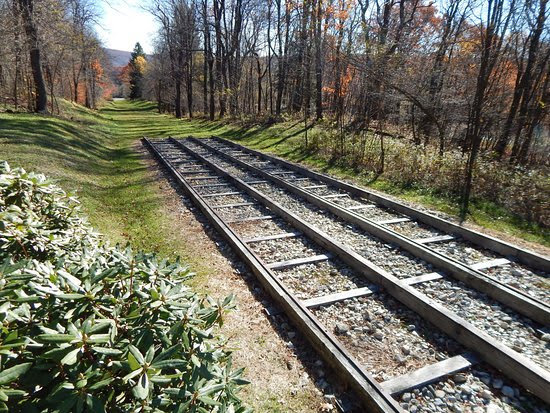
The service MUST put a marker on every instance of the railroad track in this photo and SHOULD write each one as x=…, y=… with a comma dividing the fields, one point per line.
x=389, y=333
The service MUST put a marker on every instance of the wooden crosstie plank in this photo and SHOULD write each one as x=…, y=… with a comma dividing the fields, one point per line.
x=333, y=298
x=429, y=374
x=298, y=179
x=189, y=172
x=283, y=173
x=392, y=221
x=314, y=187
x=279, y=265
x=270, y=237
x=210, y=185
x=258, y=218
x=335, y=196
x=255, y=182
x=236, y=204
x=360, y=292
x=423, y=278
x=202, y=178
x=182, y=164
x=221, y=194
x=439, y=238
x=490, y=264
x=364, y=206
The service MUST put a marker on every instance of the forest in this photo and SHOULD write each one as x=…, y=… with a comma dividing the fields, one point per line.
x=452, y=95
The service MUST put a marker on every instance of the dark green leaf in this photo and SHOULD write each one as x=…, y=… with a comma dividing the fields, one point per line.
x=11, y=374
x=55, y=338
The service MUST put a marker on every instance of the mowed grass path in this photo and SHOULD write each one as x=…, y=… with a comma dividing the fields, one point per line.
x=96, y=155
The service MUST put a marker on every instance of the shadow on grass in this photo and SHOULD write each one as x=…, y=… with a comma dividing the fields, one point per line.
x=90, y=153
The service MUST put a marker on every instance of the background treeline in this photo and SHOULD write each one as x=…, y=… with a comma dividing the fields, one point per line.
x=48, y=49
x=454, y=78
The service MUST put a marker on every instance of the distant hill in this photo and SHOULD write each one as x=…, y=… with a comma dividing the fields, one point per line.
x=118, y=58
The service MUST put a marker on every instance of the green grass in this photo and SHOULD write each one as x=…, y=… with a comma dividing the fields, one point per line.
x=94, y=154
x=287, y=140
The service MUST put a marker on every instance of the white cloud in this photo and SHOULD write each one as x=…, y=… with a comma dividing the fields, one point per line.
x=123, y=23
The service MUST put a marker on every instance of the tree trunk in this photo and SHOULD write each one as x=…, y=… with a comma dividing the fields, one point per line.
x=496, y=27
x=524, y=86
x=177, y=99
x=318, y=63
x=260, y=77
x=281, y=61
x=189, y=83
x=41, y=95
x=205, y=76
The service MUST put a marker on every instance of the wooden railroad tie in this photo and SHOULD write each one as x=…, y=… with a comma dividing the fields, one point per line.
x=236, y=204
x=439, y=238
x=392, y=221
x=258, y=218
x=490, y=264
x=364, y=206
x=221, y=194
x=280, y=265
x=210, y=185
x=429, y=374
x=271, y=237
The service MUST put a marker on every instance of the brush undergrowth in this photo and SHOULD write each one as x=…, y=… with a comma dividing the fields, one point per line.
x=87, y=327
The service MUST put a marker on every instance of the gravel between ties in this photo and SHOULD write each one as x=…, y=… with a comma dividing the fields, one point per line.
x=321, y=278
x=403, y=265
x=426, y=399
x=536, y=284
x=285, y=249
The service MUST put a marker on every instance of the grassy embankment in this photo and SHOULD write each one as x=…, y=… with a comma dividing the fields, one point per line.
x=94, y=154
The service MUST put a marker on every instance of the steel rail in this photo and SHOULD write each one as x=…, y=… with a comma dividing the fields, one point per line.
x=512, y=297
x=512, y=364
x=372, y=396
x=529, y=258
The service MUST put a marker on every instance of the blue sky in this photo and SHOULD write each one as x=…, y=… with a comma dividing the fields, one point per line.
x=123, y=23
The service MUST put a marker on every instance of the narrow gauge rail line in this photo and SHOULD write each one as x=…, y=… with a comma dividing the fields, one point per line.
x=512, y=364
x=506, y=249
x=372, y=395
x=512, y=297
